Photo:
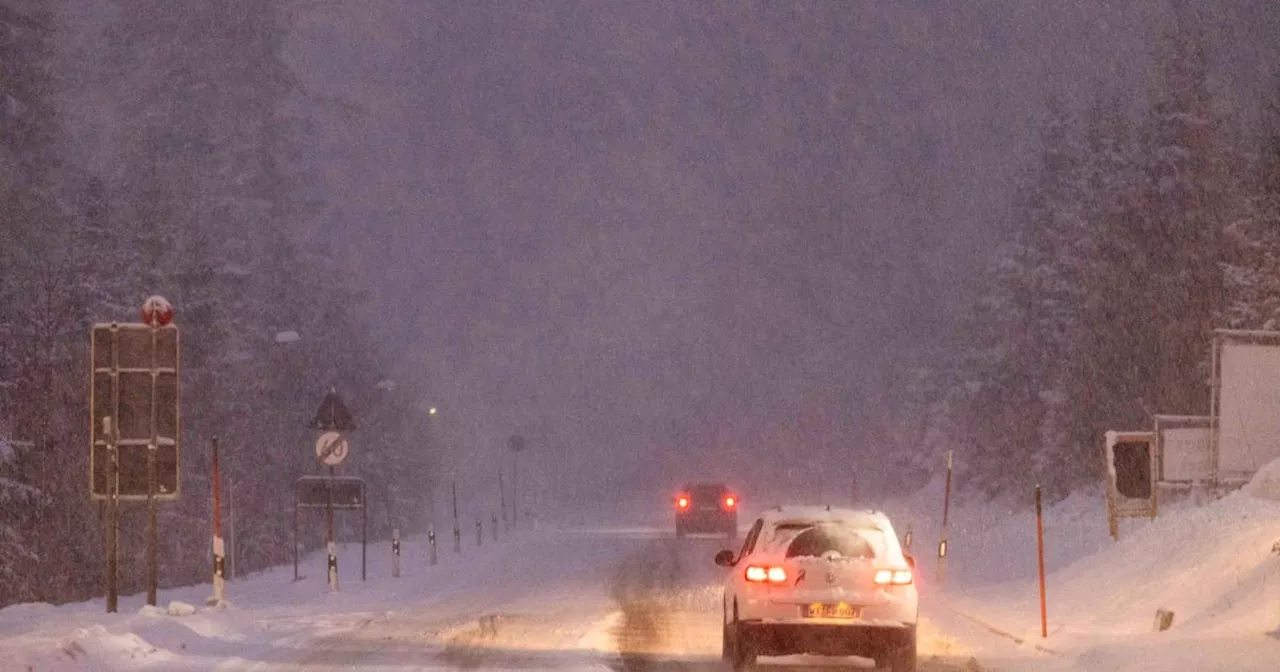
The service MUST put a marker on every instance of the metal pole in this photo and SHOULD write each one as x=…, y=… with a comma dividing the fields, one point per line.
x=457, y=531
x=295, y=533
x=113, y=478
x=494, y=526
x=502, y=500
x=431, y=542
x=364, y=531
x=515, y=492
x=219, y=551
x=1044, y=620
x=946, y=511
x=151, y=483
x=328, y=526
x=479, y=533
x=113, y=517
x=231, y=520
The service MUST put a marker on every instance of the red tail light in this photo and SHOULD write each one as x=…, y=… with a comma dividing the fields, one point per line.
x=682, y=502
x=730, y=502
x=896, y=577
x=758, y=574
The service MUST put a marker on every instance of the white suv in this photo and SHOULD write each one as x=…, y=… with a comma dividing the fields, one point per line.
x=824, y=581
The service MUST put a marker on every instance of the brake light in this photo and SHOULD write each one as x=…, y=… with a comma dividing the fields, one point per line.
x=758, y=574
x=682, y=503
x=730, y=502
x=894, y=577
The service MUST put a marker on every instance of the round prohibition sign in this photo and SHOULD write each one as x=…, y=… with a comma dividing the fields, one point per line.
x=332, y=448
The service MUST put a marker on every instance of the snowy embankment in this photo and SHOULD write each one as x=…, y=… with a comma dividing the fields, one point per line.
x=268, y=618
x=1212, y=565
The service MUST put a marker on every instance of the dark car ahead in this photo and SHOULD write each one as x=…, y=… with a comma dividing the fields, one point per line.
x=706, y=508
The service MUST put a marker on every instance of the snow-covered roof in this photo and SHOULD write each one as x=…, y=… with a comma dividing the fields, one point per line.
x=825, y=514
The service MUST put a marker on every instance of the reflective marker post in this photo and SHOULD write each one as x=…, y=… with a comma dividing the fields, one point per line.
x=328, y=526
x=219, y=551
x=946, y=511
x=457, y=530
x=431, y=543
x=395, y=553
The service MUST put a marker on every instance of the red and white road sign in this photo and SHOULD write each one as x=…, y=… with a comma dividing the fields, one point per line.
x=332, y=448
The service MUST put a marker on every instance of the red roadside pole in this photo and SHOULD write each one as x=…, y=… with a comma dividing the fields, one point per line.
x=1044, y=620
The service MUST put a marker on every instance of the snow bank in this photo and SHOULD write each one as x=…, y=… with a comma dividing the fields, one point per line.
x=1266, y=483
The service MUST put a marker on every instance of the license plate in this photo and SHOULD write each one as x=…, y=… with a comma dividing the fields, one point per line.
x=841, y=610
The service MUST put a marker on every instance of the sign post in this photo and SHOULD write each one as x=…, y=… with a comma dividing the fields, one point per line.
x=331, y=449
x=332, y=418
x=134, y=426
x=331, y=493
x=113, y=520
x=219, y=550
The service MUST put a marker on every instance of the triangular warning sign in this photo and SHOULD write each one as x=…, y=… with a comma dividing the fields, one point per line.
x=333, y=416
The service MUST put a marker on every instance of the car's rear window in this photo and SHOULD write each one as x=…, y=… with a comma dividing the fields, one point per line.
x=706, y=492
x=825, y=540
x=819, y=539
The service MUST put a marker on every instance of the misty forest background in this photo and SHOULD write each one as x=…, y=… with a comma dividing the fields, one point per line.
x=203, y=151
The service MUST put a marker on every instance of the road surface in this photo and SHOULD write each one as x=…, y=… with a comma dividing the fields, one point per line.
x=607, y=599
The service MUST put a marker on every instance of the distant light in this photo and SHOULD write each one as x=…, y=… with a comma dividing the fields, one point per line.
x=287, y=337
x=431, y=411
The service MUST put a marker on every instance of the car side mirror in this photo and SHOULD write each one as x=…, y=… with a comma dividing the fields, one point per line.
x=725, y=559
x=911, y=560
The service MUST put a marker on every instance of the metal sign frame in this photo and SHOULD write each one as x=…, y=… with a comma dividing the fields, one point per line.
x=1222, y=338
x=329, y=506
x=136, y=448
x=1118, y=505
x=333, y=484
x=1164, y=423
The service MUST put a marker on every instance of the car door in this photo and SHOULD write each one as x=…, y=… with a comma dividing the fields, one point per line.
x=733, y=583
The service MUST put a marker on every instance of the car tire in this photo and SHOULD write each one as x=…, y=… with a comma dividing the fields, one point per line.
x=903, y=659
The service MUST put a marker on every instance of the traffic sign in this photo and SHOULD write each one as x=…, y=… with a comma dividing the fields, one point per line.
x=135, y=384
x=315, y=491
x=333, y=415
x=332, y=448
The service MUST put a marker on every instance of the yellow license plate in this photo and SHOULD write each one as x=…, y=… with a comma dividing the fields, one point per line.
x=833, y=611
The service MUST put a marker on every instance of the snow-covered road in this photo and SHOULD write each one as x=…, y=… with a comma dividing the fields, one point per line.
x=631, y=598
x=617, y=599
